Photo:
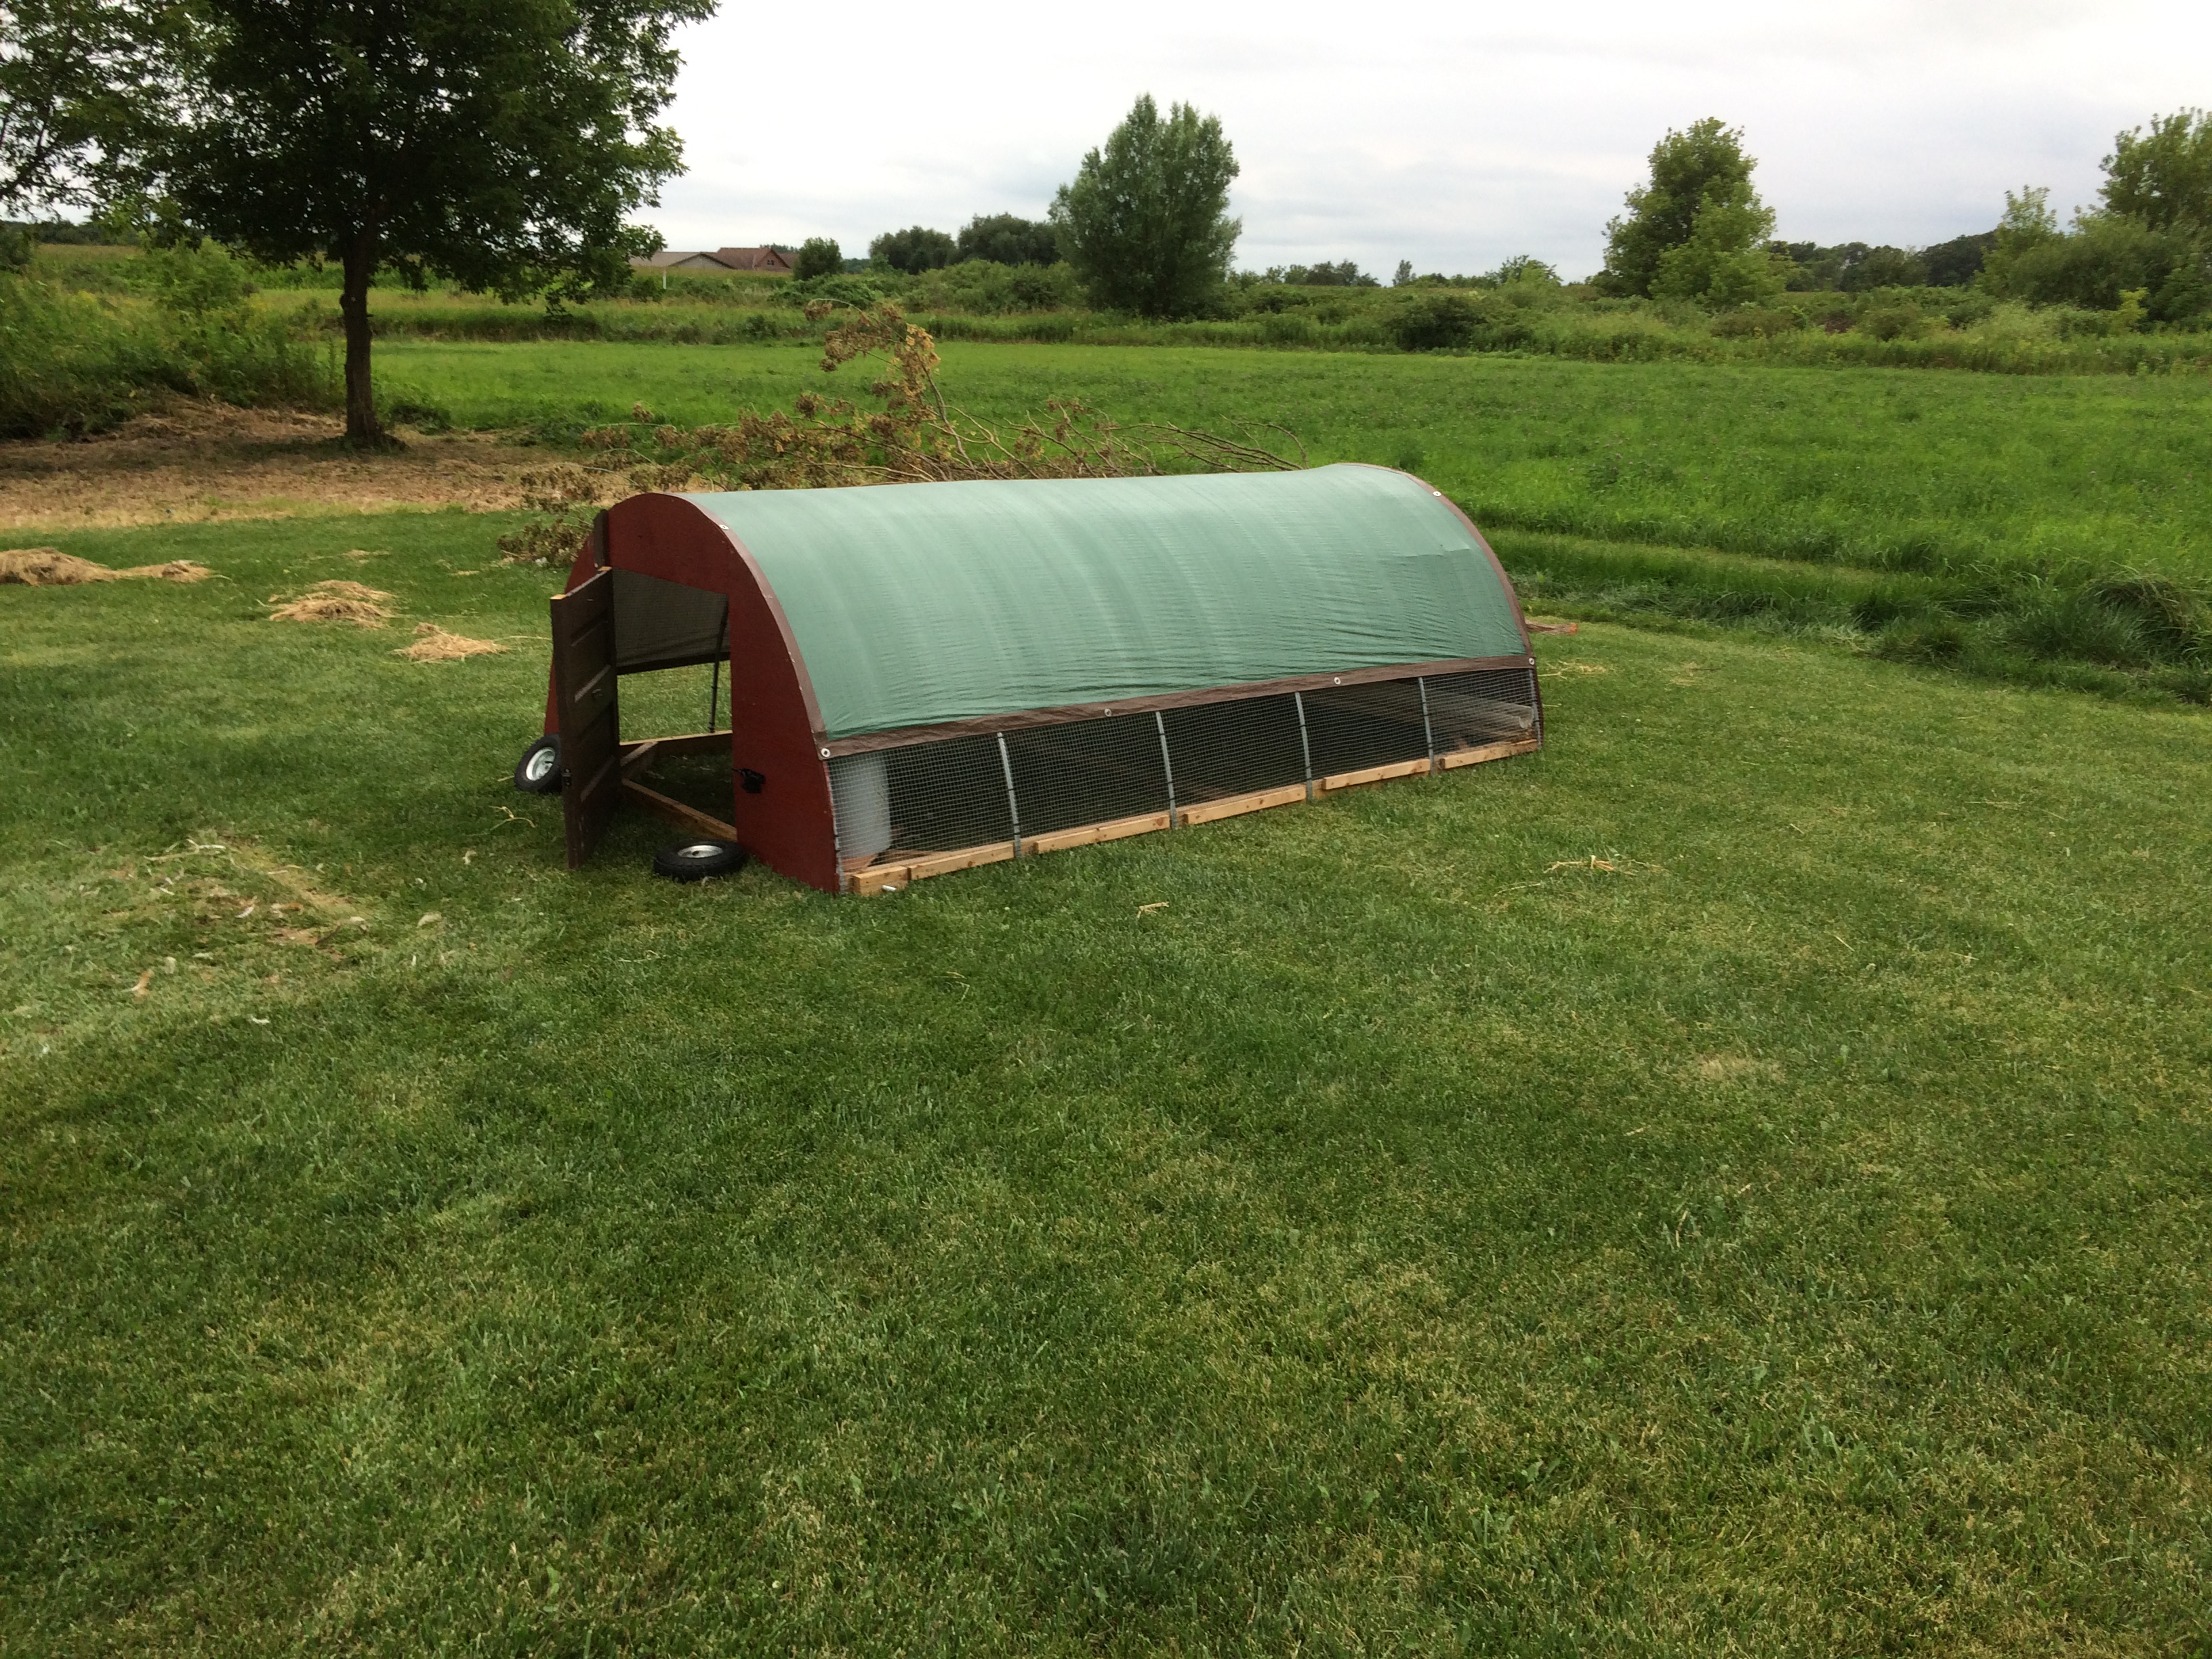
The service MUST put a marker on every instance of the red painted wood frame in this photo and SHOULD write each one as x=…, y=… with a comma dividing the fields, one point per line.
x=775, y=723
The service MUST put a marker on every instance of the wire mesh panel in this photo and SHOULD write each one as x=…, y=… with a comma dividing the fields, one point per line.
x=1222, y=748
x=1491, y=705
x=1352, y=727
x=946, y=795
x=959, y=793
x=1087, y=772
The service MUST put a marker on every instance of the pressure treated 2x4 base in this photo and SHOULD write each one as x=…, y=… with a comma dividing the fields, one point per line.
x=890, y=877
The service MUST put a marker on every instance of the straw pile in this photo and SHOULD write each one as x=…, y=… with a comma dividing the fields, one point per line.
x=334, y=602
x=49, y=567
x=434, y=644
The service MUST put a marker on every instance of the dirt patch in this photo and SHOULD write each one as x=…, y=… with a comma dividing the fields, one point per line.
x=434, y=644
x=49, y=567
x=334, y=602
x=200, y=463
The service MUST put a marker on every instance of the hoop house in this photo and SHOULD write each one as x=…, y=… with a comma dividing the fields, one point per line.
x=925, y=678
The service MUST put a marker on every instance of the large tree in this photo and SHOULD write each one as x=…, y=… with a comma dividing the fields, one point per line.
x=1145, y=222
x=497, y=143
x=1697, y=229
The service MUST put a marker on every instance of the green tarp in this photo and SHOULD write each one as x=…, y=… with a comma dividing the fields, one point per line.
x=916, y=603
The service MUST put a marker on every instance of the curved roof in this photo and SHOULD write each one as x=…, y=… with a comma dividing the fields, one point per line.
x=915, y=604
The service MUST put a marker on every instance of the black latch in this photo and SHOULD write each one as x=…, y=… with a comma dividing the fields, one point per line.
x=750, y=780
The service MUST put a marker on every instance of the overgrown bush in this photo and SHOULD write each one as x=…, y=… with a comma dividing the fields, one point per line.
x=76, y=363
x=1434, y=320
x=1895, y=321
x=1757, y=322
x=989, y=288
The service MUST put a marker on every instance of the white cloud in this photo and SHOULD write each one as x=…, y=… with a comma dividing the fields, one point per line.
x=1453, y=135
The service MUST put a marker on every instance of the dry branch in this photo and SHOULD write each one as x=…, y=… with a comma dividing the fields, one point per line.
x=914, y=436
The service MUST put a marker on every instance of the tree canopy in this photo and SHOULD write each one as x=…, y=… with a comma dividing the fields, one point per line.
x=1145, y=221
x=1007, y=239
x=914, y=250
x=818, y=255
x=2164, y=177
x=1697, y=230
x=2112, y=254
x=500, y=146
x=71, y=73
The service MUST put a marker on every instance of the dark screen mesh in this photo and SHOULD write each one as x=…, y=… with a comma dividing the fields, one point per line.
x=947, y=795
x=951, y=794
x=1352, y=727
x=1222, y=749
x=1087, y=772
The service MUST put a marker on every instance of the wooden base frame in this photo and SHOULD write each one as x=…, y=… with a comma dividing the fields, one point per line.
x=637, y=756
x=893, y=871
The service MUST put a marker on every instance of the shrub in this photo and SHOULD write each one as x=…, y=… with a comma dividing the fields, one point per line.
x=1434, y=321
x=1896, y=320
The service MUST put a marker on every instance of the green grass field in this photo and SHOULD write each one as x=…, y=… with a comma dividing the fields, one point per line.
x=1786, y=1235
x=2042, y=529
x=1889, y=469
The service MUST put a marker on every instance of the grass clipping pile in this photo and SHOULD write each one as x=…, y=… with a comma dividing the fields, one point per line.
x=434, y=644
x=49, y=567
x=363, y=606
x=915, y=437
x=334, y=602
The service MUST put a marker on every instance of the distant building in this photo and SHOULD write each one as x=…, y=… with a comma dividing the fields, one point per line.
x=772, y=260
x=754, y=259
x=669, y=260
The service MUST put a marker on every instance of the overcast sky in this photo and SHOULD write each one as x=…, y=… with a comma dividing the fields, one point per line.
x=1451, y=135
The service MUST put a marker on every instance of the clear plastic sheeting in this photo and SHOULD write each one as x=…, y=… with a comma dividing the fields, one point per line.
x=860, y=795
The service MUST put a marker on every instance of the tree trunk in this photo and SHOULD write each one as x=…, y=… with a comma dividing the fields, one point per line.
x=359, y=266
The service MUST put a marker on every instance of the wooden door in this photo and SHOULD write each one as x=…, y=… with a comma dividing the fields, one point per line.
x=584, y=697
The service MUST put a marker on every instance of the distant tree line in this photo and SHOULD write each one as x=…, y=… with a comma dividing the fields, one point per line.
x=1146, y=225
x=1857, y=267
x=1144, y=222
x=1697, y=230
x=999, y=239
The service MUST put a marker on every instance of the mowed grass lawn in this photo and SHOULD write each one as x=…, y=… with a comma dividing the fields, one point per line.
x=1890, y=469
x=1740, y=1180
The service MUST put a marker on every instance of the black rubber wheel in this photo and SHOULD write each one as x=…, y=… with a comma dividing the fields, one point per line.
x=695, y=860
x=539, y=771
